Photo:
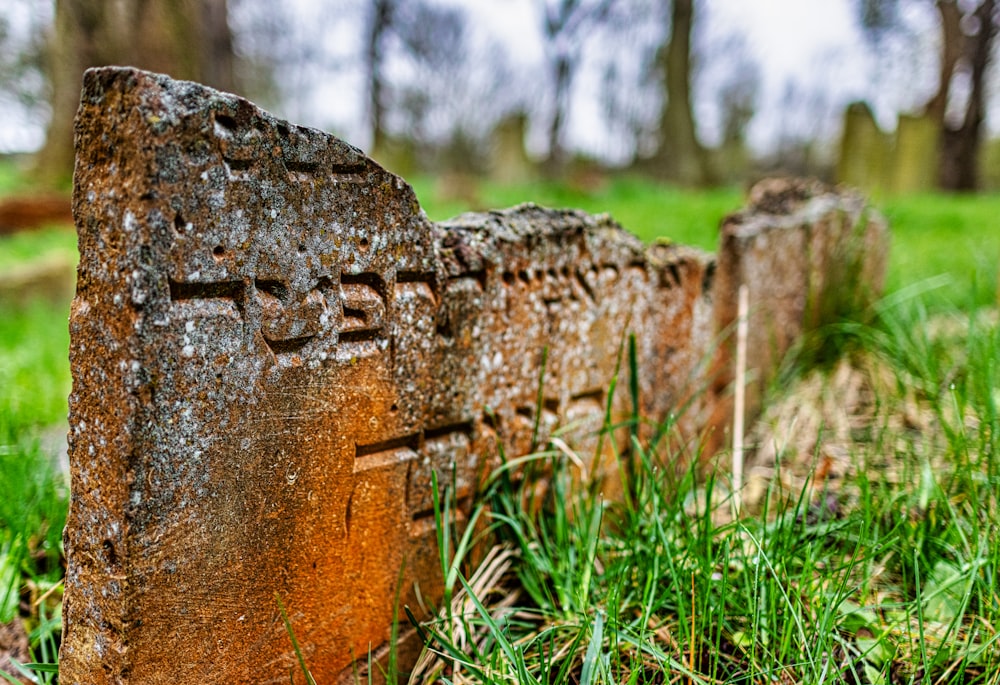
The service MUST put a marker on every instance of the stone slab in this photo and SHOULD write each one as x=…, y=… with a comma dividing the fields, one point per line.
x=810, y=254
x=272, y=351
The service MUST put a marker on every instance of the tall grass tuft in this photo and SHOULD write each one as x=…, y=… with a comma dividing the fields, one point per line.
x=34, y=383
x=883, y=571
x=33, y=506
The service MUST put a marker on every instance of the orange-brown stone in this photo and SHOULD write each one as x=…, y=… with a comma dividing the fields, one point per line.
x=809, y=255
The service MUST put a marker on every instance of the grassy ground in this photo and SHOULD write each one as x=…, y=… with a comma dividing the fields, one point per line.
x=34, y=385
x=874, y=561
x=646, y=208
x=21, y=248
x=885, y=576
x=956, y=236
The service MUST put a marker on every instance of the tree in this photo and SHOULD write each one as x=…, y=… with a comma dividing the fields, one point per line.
x=680, y=156
x=967, y=33
x=565, y=24
x=737, y=101
x=962, y=140
x=418, y=69
x=188, y=39
x=380, y=24
x=22, y=88
x=664, y=76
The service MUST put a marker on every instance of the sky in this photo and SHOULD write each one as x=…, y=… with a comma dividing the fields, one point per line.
x=807, y=51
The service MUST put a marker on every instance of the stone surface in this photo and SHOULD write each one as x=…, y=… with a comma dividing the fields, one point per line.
x=273, y=350
x=810, y=255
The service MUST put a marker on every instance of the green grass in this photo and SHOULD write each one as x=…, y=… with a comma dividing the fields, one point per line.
x=23, y=248
x=892, y=582
x=34, y=364
x=33, y=502
x=955, y=235
x=34, y=385
x=887, y=575
x=33, y=506
x=13, y=178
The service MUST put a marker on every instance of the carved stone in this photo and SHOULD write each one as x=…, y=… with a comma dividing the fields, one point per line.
x=273, y=349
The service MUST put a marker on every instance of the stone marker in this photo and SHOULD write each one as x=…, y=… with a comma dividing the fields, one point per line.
x=863, y=159
x=810, y=256
x=915, y=155
x=273, y=350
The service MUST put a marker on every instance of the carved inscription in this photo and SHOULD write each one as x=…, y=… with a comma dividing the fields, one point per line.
x=290, y=320
x=364, y=307
x=305, y=155
x=581, y=283
x=444, y=451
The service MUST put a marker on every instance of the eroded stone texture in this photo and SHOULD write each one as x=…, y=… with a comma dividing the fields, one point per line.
x=273, y=349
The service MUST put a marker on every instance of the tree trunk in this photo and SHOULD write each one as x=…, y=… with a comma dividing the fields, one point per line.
x=188, y=39
x=680, y=157
x=951, y=52
x=219, y=63
x=86, y=34
x=959, y=162
x=556, y=162
x=379, y=24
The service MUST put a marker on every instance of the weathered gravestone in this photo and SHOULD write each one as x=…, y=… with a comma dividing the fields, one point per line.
x=273, y=349
x=864, y=150
x=809, y=256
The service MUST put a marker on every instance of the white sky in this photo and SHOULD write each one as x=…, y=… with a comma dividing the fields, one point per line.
x=813, y=44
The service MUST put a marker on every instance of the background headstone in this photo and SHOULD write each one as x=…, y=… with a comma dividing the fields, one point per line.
x=864, y=150
x=915, y=156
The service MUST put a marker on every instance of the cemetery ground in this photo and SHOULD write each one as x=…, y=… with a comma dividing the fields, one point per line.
x=867, y=550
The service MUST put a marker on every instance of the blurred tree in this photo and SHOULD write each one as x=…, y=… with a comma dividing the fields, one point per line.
x=428, y=85
x=188, y=39
x=680, y=157
x=958, y=107
x=21, y=54
x=738, y=95
x=962, y=136
x=565, y=26
x=433, y=51
x=380, y=25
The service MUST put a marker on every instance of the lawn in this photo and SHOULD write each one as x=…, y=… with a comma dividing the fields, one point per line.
x=882, y=570
x=868, y=555
x=646, y=208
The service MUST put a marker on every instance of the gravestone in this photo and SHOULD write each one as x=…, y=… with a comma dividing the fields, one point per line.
x=509, y=159
x=915, y=156
x=273, y=349
x=864, y=150
x=810, y=255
